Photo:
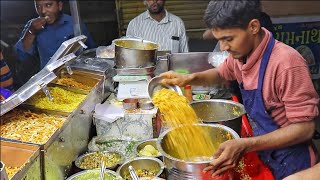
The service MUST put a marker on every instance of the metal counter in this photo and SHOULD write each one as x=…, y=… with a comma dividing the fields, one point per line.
x=24, y=156
x=71, y=140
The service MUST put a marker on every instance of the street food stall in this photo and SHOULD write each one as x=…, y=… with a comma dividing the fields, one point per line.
x=57, y=121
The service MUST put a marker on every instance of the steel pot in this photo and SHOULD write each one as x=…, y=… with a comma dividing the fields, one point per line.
x=225, y=112
x=140, y=163
x=135, y=53
x=183, y=169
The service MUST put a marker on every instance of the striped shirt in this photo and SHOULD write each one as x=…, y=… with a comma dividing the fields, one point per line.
x=6, y=80
x=169, y=33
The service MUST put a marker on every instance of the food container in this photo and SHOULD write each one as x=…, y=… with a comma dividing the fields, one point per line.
x=94, y=174
x=183, y=169
x=21, y=161
x=135, y=53
x=149, y=164
x=130, y=104
x=154, y=85
x=97, y=160
x=145, y=104
x=225, y=112
x=139, y=146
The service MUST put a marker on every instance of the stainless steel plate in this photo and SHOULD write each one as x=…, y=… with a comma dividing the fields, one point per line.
x=154, y=85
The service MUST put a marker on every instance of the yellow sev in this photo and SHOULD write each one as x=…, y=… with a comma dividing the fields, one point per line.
x=29, y=127
x=11, y=171
x=193, y=142
x=63, y=100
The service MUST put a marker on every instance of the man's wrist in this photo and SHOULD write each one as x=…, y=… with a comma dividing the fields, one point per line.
x=191, y=77
x=248, y=144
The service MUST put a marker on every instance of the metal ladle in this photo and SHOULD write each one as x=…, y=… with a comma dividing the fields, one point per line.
x=133, y=173
x=102, y=170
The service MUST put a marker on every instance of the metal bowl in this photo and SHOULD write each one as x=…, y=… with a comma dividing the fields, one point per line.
x=135, y=53
x=139, y=146
x=147, y=163
x=113, y=167
x=225, y=112
x=154, y=85
x=184, y=169
x=139, y=44
x=95, y=172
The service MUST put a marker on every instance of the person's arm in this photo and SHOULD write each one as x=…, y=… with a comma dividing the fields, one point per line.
x=229, y=153
x=183, y=46
x=130, y=29
x=30, y=34
x=204, y=78
x=25, y=46
x=312, y=173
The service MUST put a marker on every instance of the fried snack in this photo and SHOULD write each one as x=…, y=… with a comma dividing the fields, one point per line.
x=63, y=100
x=191, y=139
x=73, y=83
x=93, y=160
x=29, y=127
x=143, y=173
x=11, y=171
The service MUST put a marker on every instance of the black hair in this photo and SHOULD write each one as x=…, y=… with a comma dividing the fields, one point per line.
x=231, y=13
x=266, y=22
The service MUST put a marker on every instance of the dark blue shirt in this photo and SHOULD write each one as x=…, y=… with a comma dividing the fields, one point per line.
x=5, y=75
x=49, y=39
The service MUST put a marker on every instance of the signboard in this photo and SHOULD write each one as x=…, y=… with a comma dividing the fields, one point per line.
x=305, y=38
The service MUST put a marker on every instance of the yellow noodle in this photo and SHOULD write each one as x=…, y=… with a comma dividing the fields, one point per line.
x=63, y=100
x=193, y=140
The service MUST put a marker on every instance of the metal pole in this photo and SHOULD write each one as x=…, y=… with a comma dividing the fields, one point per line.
x=75, y=13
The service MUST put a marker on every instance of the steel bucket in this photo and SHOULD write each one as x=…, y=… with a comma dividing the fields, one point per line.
x=182, y=169
x=135, y=53
x=225, y=112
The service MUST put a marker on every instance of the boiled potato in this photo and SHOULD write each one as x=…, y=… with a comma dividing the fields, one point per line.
x=149, y=150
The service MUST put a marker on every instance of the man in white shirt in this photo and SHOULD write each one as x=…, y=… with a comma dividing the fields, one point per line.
x=159, y=26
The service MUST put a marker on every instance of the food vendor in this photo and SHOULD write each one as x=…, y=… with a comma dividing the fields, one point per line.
x=275, y=85
x=44, y=35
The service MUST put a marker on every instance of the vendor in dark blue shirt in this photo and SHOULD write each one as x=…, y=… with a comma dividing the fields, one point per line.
x=44, y=35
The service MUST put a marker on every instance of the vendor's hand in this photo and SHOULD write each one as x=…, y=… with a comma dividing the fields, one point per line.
x=37, y=24
x=2, y=98
x=227, y=156
x=173, y=78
